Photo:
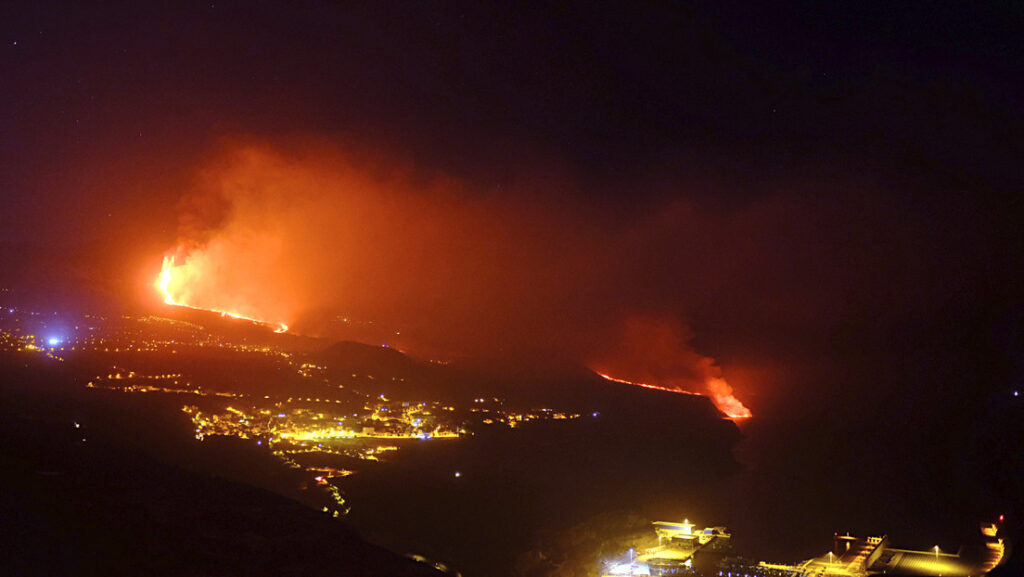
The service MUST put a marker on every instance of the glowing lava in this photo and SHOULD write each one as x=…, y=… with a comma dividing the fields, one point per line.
x=173, y=280
x=725, y=400
x=720, y=393
x=644, y=385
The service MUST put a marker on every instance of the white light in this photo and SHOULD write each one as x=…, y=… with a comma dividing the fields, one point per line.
x=458, y=474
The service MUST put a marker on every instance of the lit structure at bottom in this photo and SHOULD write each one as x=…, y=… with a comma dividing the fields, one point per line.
x=682, y=550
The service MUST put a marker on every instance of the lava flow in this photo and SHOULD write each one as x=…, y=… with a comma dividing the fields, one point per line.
x=644, y=385
x=725, y=400
x=721, y=395
x=173, y=276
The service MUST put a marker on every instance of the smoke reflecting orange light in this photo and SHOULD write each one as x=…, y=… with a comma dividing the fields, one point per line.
x=720, y=392
x=172, y=277
x=725, y=400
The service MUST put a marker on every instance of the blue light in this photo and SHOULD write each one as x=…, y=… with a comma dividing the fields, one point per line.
x=53, y=341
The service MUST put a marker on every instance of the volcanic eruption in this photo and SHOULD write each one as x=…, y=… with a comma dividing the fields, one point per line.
x=175, y=282
x=293, y=239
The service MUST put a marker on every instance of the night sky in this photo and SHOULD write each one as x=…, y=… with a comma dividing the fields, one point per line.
x=819, y=201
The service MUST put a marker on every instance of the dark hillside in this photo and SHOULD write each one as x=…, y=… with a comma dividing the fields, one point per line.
x=105, y=507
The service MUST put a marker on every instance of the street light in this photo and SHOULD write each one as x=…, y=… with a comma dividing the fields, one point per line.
x=936, y=552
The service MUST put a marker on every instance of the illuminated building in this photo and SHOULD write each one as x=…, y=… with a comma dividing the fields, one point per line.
x=857, y=557
x=681, y=550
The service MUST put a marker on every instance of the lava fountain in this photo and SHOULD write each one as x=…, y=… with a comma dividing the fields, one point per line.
x=175, y=282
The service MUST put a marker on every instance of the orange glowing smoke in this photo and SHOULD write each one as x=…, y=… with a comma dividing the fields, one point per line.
x=176, y=283
x=657, y=350
x=722, y=395
x=720, y=392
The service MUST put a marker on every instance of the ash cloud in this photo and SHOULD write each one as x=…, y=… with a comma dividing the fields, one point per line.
x=310, y=232
x=327, y=231
x=493, y=178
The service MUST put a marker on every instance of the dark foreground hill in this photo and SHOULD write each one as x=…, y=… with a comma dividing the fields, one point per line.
x=100, y=507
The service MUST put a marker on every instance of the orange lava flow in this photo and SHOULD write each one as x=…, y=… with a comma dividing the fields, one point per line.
x=164, y=283
x=644, y=385
x=725, y=400
x=721, y=395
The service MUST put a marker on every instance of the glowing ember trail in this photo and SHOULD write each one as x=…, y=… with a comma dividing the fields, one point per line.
x=720, y=393
x=173, y=278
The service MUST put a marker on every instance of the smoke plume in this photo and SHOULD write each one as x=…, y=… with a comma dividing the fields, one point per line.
x=347, y=242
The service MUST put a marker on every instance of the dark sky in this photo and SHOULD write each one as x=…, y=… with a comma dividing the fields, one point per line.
x=822, y=198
